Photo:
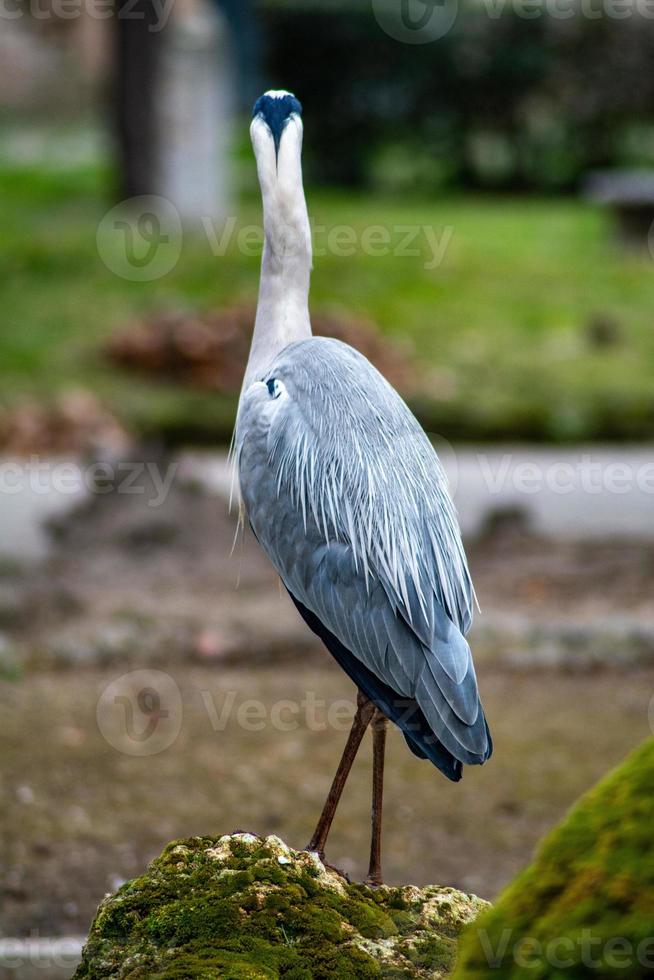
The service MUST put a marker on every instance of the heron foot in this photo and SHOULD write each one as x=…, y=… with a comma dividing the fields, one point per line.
x=332, y=867
x=315, y=850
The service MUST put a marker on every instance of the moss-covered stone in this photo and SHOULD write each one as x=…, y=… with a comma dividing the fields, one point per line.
x=249, y=908
x=585, y=907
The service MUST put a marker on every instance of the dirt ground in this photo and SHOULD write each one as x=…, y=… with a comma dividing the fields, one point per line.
x=128, y=587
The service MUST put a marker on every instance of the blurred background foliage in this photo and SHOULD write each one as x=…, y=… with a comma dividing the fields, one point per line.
x=500, y=102
x=534, y=327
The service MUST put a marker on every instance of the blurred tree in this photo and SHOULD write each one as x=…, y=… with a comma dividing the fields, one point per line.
x=139, y=40
x=502, y=100
x=174, y=94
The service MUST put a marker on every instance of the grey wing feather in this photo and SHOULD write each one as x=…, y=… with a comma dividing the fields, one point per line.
x=366, y=625
x=348, y=498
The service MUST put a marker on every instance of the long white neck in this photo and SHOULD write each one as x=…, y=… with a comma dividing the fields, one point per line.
x=283, y=306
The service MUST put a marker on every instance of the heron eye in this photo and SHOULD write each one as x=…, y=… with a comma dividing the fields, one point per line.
x=274, y=387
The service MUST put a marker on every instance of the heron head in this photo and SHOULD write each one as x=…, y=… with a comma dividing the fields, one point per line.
x=272, y=115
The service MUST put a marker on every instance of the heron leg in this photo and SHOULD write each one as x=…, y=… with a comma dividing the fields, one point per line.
x=378, y=751
x=362, y=718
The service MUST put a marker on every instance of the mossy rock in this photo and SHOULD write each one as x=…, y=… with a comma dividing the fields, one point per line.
x=242, y=907
x=585, y=907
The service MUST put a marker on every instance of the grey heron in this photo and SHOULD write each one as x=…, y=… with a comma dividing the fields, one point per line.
x=347, y=497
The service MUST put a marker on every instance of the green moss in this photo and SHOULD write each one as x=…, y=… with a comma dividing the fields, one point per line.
x=243, y=907
x=369, y=913
x=436, y=953
x=585, y=907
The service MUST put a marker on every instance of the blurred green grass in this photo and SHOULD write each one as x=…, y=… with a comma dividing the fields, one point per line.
x=511, y=328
